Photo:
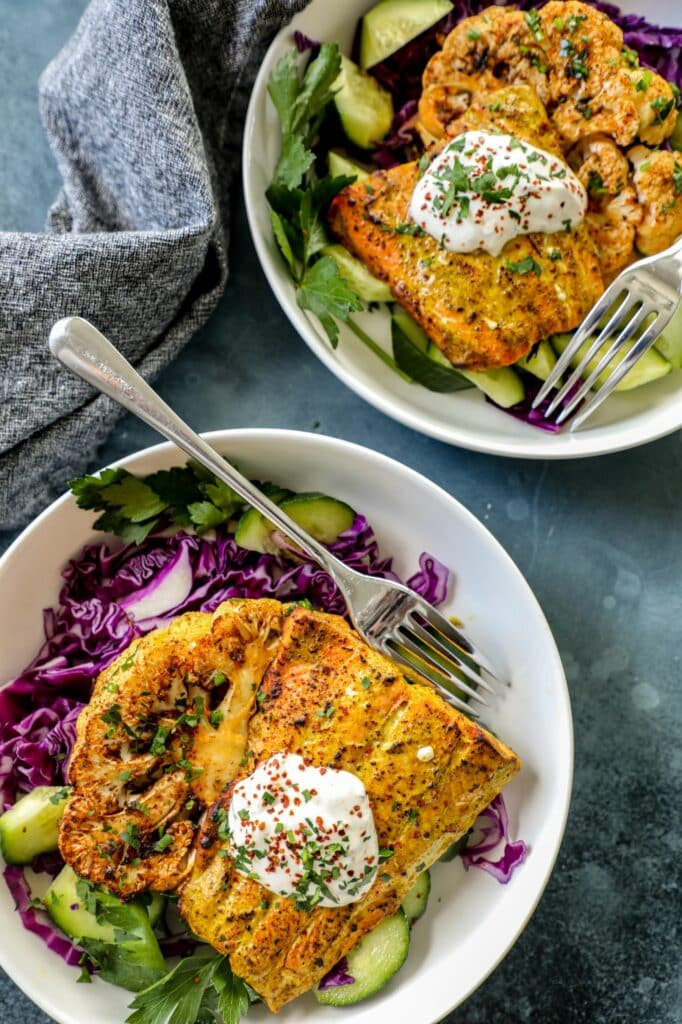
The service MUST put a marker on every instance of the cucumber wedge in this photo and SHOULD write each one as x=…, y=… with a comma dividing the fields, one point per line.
x=364, y=107
x=539, y=362
x=392, y=23
x=155, y=904
x=649, y=367
x=117, y=935
x=323, y=517
x=502, y=385
x=357, y=276
x=372, y=963
x=31, y=826
x=419, y=359
x=415, y=902
x=670, y=342
x=339, y=164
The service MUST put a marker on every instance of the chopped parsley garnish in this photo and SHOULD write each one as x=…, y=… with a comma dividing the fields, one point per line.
x=408, y=229
x=662, y=107
x=215, y=718
x=326, y=712
x=644, y=82
x=385, y=854
x=163, y=843
x=525, y=266
x=595, y=184
x=218, y=679
x=129, y=835
x=423, y=162
x=532, y=19
x=244, y=814
x=677, y=177
x=62, y=794
x=555, y=254
x=268, y=798
x=630, y=57
x=365, y=682
x=124, y=776
x=112, y=718
x=574, y=22
x=158, y=744
x=473, y=34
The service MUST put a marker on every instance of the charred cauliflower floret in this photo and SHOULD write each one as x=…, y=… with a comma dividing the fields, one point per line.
x=572, y=55
x=657, y=179
x=163, y=734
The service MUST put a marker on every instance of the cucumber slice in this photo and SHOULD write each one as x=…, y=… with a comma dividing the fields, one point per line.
x=117, y=935
x=420, y=360
x=540, y=362
x=323, y=517
x=503, y=385
x=675, y=139
x=670, y=342
x=357, y=276
x=155, y=904
x=372, y=963
x=31, y=826
x=339, y=164
x=253, y=532
x=364, y=106
x=415, y=902
x=392, y=23
x=649, y=367
x=456, y=848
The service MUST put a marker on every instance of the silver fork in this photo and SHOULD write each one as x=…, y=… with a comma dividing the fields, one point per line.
x=649, y=288
x=390, y=616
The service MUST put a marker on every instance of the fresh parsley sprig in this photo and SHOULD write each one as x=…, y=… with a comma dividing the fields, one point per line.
x=298, y=198
x=198, y=990
x=133, y=506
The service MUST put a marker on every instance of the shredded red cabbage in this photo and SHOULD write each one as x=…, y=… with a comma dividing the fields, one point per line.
x=491, y=835
x=37, y=921
x=337, y=976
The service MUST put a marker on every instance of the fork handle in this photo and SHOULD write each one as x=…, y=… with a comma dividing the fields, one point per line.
x=86, y=352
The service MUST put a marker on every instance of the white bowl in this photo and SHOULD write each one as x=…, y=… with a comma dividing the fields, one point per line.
x=472, y=921
x=464, y=418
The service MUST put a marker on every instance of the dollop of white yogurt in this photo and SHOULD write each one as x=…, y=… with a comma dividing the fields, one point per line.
x=304, y=832
x=483, y=189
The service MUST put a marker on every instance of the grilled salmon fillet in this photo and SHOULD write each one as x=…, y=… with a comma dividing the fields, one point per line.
x=334, y=701
x=475, y=307
x=164, y=732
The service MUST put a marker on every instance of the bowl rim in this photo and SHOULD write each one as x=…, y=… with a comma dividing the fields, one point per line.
x=621, y=436
x=563, y=784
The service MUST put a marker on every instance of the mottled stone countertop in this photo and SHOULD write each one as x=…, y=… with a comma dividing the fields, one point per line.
x=598, y=540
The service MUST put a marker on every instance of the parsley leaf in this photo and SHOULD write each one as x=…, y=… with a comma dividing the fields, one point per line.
x=233, y=995
x=177, y=997
x=525, y=266
x=294, y=160
x=324, y=292
x=191, y=992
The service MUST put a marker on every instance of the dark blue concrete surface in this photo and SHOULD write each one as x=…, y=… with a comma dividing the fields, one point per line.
x=599, y=542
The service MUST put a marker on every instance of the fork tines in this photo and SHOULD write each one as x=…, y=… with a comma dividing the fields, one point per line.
x=428, y=646
x=624, y=322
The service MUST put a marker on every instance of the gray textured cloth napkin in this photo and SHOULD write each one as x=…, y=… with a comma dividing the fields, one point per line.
x=143, y=109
